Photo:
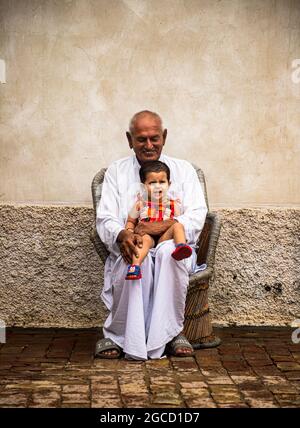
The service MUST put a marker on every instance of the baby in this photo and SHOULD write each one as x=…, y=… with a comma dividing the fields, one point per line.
x=156, y=206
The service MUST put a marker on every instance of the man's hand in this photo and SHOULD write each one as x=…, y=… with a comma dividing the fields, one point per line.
x=156, y=228
x=129, y=242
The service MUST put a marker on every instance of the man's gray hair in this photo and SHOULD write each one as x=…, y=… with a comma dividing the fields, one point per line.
x=143, y=113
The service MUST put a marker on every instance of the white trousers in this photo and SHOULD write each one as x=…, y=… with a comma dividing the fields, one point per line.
x=147, y=313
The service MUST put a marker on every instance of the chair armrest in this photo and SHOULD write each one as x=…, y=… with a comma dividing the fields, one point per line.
x=213, y=238
x=195, y=278
x=208, y=240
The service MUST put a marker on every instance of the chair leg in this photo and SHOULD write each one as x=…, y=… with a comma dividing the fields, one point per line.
x=197, y=324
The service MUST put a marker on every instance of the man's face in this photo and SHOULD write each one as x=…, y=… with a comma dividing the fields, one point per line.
x=147, y=138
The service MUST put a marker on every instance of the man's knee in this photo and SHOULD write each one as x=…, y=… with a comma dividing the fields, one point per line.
x=166, y=249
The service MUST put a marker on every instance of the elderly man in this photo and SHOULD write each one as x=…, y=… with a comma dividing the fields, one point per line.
x=146, y=314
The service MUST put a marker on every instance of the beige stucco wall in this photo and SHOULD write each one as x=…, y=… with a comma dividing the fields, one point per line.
x=219, y=72
x=50, y=274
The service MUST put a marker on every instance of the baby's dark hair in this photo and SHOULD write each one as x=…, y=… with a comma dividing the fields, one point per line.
x=153, y=166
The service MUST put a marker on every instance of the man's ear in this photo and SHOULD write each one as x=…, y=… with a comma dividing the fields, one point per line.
x=165, y=135
x=129, y=138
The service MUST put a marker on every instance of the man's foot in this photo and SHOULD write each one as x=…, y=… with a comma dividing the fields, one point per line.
x=182, y=251
x=133, y=272
x=180, y=347
x=109, y=353
x=107, y=348
x=180, y=352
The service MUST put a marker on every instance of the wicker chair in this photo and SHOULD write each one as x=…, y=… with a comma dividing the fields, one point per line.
x=197, y=324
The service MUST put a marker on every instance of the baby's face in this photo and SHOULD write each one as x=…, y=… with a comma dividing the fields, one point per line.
x=156, y=185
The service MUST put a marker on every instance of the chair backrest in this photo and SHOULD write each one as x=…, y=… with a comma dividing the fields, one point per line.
x=97, y=188
x=201, y=177
x=99, y=177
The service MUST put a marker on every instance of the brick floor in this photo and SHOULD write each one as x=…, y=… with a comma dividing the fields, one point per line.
x=253, y=367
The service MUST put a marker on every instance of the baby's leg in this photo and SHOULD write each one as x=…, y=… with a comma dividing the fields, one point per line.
x=148, y=243
x=176, y=232
x=134, y=270
x=179, y=233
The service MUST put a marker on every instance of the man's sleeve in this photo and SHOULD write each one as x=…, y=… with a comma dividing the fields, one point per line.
x=108, y=223
x=193, y=207
x=135, y=210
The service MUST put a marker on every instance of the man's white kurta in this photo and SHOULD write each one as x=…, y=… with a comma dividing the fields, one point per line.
x=146, y=314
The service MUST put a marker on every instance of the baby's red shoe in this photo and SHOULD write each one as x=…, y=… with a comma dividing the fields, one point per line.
x=182, y=251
